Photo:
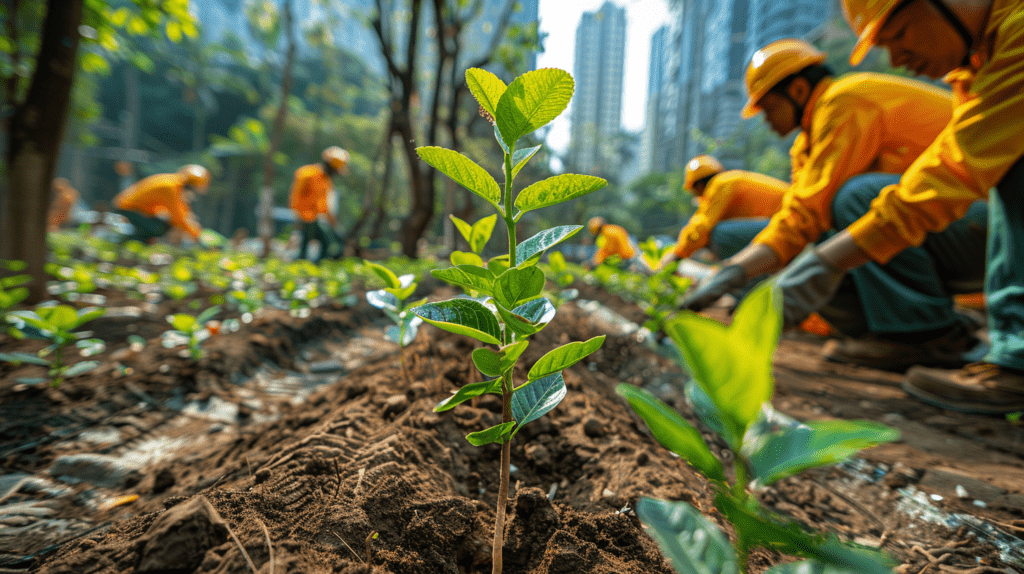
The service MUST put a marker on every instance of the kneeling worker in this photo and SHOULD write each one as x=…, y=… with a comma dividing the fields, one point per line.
x=311, y=199
x=155, y=204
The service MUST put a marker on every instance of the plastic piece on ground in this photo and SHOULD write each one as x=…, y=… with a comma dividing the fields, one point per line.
x=815, y=325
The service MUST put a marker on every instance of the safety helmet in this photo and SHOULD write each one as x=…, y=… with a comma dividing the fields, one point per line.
x=595, y=224
x=866, y=18
x=196, y=176
x=774, y=63
x=335, y=157
x=699, y=168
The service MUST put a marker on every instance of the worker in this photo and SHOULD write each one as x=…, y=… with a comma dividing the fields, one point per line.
x=980, y=153
x=63, y=200
x=733, y=207
x=155, y=204
x=311, y=198
x=858, y=134
x=611, y=240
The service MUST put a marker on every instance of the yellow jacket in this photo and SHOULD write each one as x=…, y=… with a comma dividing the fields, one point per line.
x=309, y=191
x=613, y=240
x=730, y=195
x=160, y=194
x=982, y=141
x=860, y=123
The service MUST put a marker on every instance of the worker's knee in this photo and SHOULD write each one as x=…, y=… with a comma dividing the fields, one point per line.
x=855, y=196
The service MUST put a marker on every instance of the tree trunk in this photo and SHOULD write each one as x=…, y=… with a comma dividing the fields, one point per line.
x=371, y=184
x=227, y=217
x=36, y=130
x=382, y=199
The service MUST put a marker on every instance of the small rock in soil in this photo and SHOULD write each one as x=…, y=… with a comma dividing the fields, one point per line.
x=97, y=469
x=395, y=404
x=593, y=428
x=178, y=540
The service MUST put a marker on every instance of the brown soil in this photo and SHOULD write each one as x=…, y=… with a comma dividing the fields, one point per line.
x=301, y=477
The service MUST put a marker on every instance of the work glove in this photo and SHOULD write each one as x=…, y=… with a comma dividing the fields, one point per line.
x=807, y=284
x=726, y=280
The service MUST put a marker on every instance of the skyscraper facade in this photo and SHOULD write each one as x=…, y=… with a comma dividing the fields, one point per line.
x=596, y=114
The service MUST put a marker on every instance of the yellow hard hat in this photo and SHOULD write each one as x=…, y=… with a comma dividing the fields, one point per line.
x=866, y=18
x=699, y=168
x=595, y=224
x=774, y=63
x=335, y=157
x=196, y=176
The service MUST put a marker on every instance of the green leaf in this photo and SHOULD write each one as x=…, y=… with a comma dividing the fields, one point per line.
x=531, y=101
x=518, y=285
x=545, y=240
x=533, y=400
x=13, y=264
x=464, y=171
x=780, y=451
x=692, y=542
x=402, y=293
x=498, y=265
x=208, y=314
x=88, y=314
x=19, y=357
x=387, y=275
x=468, y=277
x=469, y=391
x=501, y=434
x=564, y=357
x=481, y=233
x=58, y=317
x=79, y=368
x=672, y=431
x=555, y=190
x=464, y=258
x=182, y=322
x=528, y=318
x=495, y=363
x=463, y=317
x=464, y=228
x=520, y=157
x=486, y=88
x=733, y=364
x=381, y=299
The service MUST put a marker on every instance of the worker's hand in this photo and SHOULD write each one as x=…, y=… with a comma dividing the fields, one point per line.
x=711, y=289
x=807, y=284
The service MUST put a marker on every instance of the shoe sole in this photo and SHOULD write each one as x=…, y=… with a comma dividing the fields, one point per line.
x=889, y=366
x=968, y=407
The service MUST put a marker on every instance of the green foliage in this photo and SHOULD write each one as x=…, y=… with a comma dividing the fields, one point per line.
x=730, y=390
x=190, y=330
x=392, y=300
x=56, y=324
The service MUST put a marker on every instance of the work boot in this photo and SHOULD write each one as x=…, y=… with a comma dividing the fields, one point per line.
x=952, y=350
x=977, y=388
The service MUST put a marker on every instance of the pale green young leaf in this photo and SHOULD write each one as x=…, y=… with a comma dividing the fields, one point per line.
x=208, y=314
x=463, y=171
x=464, y=228
x=19, y=357
x=692, y=542
x=59, y=317
x=532, y=401
x=486, y=88
x=387, y=275
x=469, y=391
x=481, y=233
x=531, y=101
x=672, y=431
x=518, y=285
x=402, y=293
x=80, y=368
x=556, y=189
x=464, y=258
x=564, y=357
x=463, y=317
x=182, y=322
x=468, y=277
x=499, y=434
x=520, y=157
x=557, y=262
x=88, y=314
x=545, y=240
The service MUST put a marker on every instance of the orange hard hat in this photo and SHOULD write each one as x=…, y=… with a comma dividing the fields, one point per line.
x=595, y=224
x=866, y=18
x=774, y=63
x=335, y=157
x=699, y=168
x=196, y=176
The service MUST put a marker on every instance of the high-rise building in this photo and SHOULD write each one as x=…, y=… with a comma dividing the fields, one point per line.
x=770, y=21
x=596, y=114
x=656, y=80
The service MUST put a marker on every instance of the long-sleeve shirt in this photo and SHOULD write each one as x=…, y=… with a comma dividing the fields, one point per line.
x=309, y=192
x=730, y=195
x=158, y=195
x=613, y=240
x=860, y=123
x=972, y=154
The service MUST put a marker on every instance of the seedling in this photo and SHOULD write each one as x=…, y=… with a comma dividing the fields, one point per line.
x=191, y=331
x=562, y=277
x=732, y=384
x=56, y=324
x=12, y=290
x=392, y=300
x=510, y=306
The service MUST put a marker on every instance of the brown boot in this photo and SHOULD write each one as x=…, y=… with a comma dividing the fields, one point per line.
x=977, y=388
x=951, y=351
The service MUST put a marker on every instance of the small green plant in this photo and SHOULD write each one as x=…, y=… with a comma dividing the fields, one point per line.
x=730, y=390
x=12, y=290
x=563, y=277
x=191, y=331
x=510, y=306
x=392, y=300
x=56, y=324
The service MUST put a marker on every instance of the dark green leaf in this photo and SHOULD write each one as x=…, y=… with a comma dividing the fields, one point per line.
x=469, y=391
x=692, y=542
x=208, y=314
x=518, y=285
x=555, y=190
x=528, y=318
x=544, y=240
x=467, y=276
x=564, y=357
x=464, y=317
x=79, y=368
x=501, y=434
x=19, y=357
x=495, y=363
x=533, y=400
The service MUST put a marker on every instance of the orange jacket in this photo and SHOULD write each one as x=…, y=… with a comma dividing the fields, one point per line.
x=972, y=154
x=613, y=240
x=309, y=191
x=157, y=195
x=860, y=123
x=730, y=195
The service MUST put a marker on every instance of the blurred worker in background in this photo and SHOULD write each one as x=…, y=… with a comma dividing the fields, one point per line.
x=314, y=200
x=858, y=133
x=159, y=202
x=61, y=203
x=733, y=207
x=979, y=154
x=610, y=240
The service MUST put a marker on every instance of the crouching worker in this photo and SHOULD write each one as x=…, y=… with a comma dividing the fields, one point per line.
x=611, y=240
x=312, y=196
x=159, y=202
